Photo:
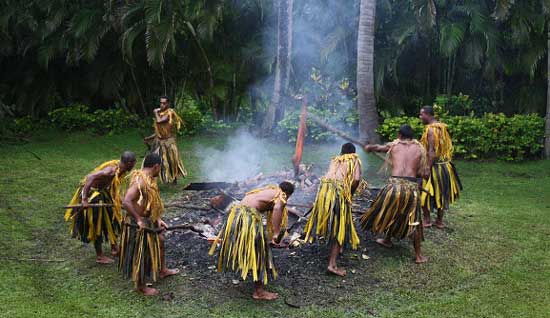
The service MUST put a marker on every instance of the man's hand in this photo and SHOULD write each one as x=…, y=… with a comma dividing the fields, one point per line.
x=85, y=203
x=367, y=148
x=161, y=224
x=277, y=245
x=141, y=225
x=156, y=110
x=425, y=173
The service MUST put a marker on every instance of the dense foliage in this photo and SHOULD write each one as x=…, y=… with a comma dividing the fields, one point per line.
x=221, y=53
x=490, y=136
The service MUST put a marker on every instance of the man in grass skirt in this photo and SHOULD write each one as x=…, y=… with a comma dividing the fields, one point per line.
x=98, y=215
x=142, y=256
x=245, y=242
x=396, y=212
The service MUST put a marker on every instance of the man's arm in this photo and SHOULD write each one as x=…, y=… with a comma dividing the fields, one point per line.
x=277, y=217
x=377, y=148
x=356, y=177
x=160, y=119
x=130, y=204
x=431, y=153
x=91, y=179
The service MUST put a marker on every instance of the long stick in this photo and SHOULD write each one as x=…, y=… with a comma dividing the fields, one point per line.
x=170, y=228
x=91, y=205
x=342, y=134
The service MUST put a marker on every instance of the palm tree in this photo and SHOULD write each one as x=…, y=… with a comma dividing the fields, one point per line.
x=366, y=103
x=275, y=111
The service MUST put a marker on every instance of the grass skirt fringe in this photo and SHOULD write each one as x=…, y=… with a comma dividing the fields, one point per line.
x=443, y=186
x=139, y=252
x=245, y=245
x=395, y=211
x=172, y=166
x=96, y=225
x=331, y=216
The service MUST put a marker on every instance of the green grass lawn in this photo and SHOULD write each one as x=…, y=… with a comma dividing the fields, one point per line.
x=493, y=261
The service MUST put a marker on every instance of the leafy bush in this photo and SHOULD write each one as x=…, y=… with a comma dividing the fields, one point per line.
x=78, y=117
x=491, y=136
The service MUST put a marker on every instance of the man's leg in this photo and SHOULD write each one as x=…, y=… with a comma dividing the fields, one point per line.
x=427, y=218
x=146, y=291
x=114, y=250
x=101, y=258
x=417, y=239
x=332, y=268
x=386, y=241
x=164, y=270
x=261, y=293
x=439, y=221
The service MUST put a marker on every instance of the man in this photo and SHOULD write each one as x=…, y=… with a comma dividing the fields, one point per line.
x=167, y=123
x=331, y=213
x=396, y=211
x=442, y=181
x=101, y=221
x=245, y=244
x=142, y=256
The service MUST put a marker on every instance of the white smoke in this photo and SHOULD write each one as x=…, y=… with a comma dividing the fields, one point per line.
x=240, y=159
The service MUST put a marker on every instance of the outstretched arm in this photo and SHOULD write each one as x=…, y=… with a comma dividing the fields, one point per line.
x=377, y=148
x=130, y=204
x=91, y=179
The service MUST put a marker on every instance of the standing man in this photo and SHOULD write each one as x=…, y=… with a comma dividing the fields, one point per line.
x=245, y=244
x=441, y=179
x=167, y=123
x=396, y=210
x=101, y=221
x=142, y=256
x=331, y=213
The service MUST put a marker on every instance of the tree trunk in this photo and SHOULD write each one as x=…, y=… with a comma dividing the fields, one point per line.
x=547, y=121
x=275, y=111
x=366, y=103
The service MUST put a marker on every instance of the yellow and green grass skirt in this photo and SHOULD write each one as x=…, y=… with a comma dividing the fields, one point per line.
x=442, y=187
x=244, y=245
x=331, y=216
x=396, y=210
x=172, y=166
x=139, y=258
x=94, y=224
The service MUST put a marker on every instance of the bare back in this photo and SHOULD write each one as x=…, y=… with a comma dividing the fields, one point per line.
x=337, y=170
x=261, y=201
x=406, y=160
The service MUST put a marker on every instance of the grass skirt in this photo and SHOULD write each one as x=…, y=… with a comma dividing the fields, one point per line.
x=443, y=186
x=244, y=245
x=172, y=166
x=139, y=252
x=331, y=216
x=395, y=211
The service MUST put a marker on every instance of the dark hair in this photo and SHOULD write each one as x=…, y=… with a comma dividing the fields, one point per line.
x=151, y=160
x=165, y=97
x=287, y=188
x=428, y=110
x=406, y=132
x=347, y=148
x=128, y=157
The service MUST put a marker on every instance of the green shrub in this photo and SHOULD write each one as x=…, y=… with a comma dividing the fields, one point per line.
x=491, y=136
x=78, y=117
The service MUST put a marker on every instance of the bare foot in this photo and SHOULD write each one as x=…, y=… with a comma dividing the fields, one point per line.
x=427, y=224
x=440, y=225
x=421, y=259
x=169, y=272
x=148, y=291
x=115, y=252
x=264, y=295
x=336, y=271
x=104, y=260
x=384, y=242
